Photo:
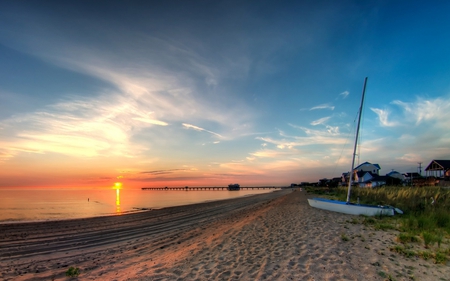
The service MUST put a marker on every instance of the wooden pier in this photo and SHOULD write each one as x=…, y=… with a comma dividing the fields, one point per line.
x=218, y=188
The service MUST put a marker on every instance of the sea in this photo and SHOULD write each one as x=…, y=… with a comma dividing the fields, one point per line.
x=25, y=205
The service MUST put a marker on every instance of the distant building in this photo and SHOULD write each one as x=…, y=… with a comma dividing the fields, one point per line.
x=234, y=186
x=324, y=182
x=395, y=174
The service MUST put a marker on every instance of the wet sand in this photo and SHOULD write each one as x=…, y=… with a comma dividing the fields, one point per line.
x=273, y=236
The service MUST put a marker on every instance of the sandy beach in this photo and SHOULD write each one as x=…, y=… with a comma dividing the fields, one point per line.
x=273, y=236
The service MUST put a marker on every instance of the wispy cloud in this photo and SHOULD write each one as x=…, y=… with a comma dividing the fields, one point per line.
x=146, y=95
x=329, y=131
x=320, y=121
x=322, y=106
x=77, y=126
x=423, y=110
x=151, y=121
x=267, y=153
x=433, y=112
x=162, y=172
x=189, y=126
x=344, y=94
x=383, y=116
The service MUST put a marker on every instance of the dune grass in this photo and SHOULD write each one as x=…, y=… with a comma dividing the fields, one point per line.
x=425, y=222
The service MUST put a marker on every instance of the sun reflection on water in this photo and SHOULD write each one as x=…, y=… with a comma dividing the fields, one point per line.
x=117, y=187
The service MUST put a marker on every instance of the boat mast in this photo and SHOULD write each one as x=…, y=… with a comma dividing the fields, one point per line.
x=356, y=142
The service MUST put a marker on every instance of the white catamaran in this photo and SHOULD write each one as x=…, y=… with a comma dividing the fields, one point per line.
x=347, y=207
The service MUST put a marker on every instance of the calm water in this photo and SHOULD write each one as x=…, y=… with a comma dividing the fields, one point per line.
x=51, y=204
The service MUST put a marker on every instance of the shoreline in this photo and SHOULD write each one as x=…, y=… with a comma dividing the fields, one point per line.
x=103, y=204
x=271, y=236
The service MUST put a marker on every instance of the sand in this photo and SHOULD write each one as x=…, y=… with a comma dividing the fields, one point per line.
x=274, y=236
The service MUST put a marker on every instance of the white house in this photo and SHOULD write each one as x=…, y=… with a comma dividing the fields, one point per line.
x=369, y=167
x=365, y=172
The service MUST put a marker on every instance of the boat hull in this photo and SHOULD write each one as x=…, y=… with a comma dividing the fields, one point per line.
x=349, y=208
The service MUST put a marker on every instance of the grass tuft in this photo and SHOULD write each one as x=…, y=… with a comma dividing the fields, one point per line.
x=344, y=237
x=407, y=238
x=440, y=258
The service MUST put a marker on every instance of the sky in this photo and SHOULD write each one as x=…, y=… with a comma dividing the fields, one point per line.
x=208, y=93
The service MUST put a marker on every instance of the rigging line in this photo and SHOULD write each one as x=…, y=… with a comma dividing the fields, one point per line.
x=360, y=134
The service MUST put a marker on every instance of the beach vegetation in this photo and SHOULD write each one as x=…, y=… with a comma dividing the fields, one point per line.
x=426, y=219
x=426, y=255
x=440, y=258
x=382, y=274
x=384, y=226
x=403, y=251
x=344, y=237
x=369, y=220
x=73, y=272
x=405, y=237
x=428, y=238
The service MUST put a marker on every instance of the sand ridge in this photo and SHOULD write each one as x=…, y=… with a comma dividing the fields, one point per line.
x=275, y=236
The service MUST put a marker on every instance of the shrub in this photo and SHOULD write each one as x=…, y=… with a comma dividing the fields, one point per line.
x=73, y=272
x=425, y=223
x=442, y=218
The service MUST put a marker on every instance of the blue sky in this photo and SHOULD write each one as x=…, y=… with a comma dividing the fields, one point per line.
x=216, y=92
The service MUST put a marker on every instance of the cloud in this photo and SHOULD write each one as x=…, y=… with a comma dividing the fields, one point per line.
x=329, y=131
x=79, y=127
x=162, y=172
x=344, y=94
x=320, y=121
x=267, y=153
x=383, y=117
x=6, y=154
x=322, y=106
x=151, y=121
x=189, y=126
x=422, y=110
x=147, y=93
x=433, y=112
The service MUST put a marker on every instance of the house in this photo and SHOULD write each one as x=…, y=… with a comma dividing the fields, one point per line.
x=379, y=181
x=324, y=182
x=411, y=176
x=335, y=182
x=369, y=167
x=395, y=174
x=364, y=177
x=438, y=168
x=364, y=173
